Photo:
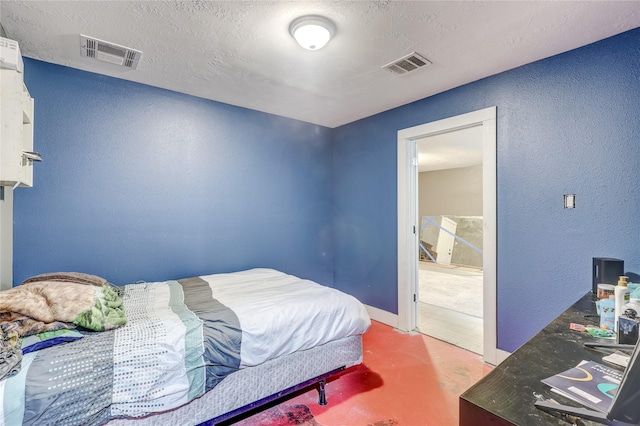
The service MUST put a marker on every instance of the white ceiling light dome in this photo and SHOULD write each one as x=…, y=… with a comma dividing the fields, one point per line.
x=312, y=31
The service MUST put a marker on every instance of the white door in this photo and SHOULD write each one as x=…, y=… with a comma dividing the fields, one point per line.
x=444, y=248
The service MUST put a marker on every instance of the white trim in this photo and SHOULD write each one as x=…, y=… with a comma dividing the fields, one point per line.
x=382, y=316
x=489, y=240
x=6, y=240
x=407, y=237
x=502, y=355
x=407, y=217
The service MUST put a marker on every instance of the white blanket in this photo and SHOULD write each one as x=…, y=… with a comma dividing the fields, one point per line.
x=280, y=314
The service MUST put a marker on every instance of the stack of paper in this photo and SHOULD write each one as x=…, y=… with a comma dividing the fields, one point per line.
x=617, y=358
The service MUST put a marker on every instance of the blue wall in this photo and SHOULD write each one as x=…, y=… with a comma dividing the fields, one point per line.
x=140, y=183
x=567, y=124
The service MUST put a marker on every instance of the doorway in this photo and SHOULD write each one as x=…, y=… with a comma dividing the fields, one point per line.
x=408, y=221
x=450, y=208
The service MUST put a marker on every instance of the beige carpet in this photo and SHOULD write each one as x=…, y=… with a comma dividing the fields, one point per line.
x=458, y=290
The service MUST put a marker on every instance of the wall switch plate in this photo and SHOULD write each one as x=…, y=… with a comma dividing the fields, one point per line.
x=569, y=201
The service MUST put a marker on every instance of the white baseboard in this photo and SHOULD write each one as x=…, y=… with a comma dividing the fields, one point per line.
x=501, y=355
x=391, y=320
x=382, y=316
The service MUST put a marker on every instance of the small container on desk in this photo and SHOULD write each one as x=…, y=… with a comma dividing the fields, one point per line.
x=629, y=323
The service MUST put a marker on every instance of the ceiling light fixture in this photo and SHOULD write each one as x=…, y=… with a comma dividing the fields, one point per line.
x=312, y=32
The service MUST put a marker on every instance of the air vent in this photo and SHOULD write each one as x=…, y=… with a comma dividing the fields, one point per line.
x=109, y=52
x=406, y=64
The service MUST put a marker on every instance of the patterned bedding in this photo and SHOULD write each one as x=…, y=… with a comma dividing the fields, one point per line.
x=182, y=338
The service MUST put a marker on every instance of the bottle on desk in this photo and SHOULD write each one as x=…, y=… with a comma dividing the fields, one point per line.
x=621, y=293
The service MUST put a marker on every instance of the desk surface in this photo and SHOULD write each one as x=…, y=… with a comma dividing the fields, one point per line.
x=505, y=396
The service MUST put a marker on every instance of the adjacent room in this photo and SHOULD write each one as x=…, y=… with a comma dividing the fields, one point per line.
x=209, y=216
x=450, y=200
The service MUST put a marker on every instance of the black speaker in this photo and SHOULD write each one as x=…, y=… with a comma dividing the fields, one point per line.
x=606, y=270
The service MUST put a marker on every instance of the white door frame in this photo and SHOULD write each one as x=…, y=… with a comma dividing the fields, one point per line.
x=408, y=217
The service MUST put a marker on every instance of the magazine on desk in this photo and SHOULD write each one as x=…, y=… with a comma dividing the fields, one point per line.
x=589, y=383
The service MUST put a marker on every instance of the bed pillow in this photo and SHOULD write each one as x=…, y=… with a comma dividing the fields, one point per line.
x=48, y=339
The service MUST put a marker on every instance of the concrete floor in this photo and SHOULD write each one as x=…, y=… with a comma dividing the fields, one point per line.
x=406, y=379
x=451, y=325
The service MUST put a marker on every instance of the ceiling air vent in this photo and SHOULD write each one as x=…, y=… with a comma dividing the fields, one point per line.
x=406, y=64
x=109, y=52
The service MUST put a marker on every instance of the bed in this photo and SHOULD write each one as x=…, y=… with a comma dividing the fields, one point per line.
x=193, y=351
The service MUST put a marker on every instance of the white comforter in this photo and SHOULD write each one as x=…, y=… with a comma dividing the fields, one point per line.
x=280, y=314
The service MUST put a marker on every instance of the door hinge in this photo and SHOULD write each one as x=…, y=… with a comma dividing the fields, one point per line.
x=414, y=229
x=415, y=299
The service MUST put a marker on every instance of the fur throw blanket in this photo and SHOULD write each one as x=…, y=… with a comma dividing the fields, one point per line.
x=51, y=302
x=61, y=300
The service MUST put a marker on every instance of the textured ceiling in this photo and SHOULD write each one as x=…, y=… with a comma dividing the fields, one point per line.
x=241, y=53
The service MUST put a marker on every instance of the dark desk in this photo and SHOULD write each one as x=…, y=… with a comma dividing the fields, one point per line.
x=505, y=396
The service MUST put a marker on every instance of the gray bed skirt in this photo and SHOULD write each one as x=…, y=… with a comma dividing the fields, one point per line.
x=252, y=384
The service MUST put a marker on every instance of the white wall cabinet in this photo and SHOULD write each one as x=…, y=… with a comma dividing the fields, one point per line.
x=16, y=130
